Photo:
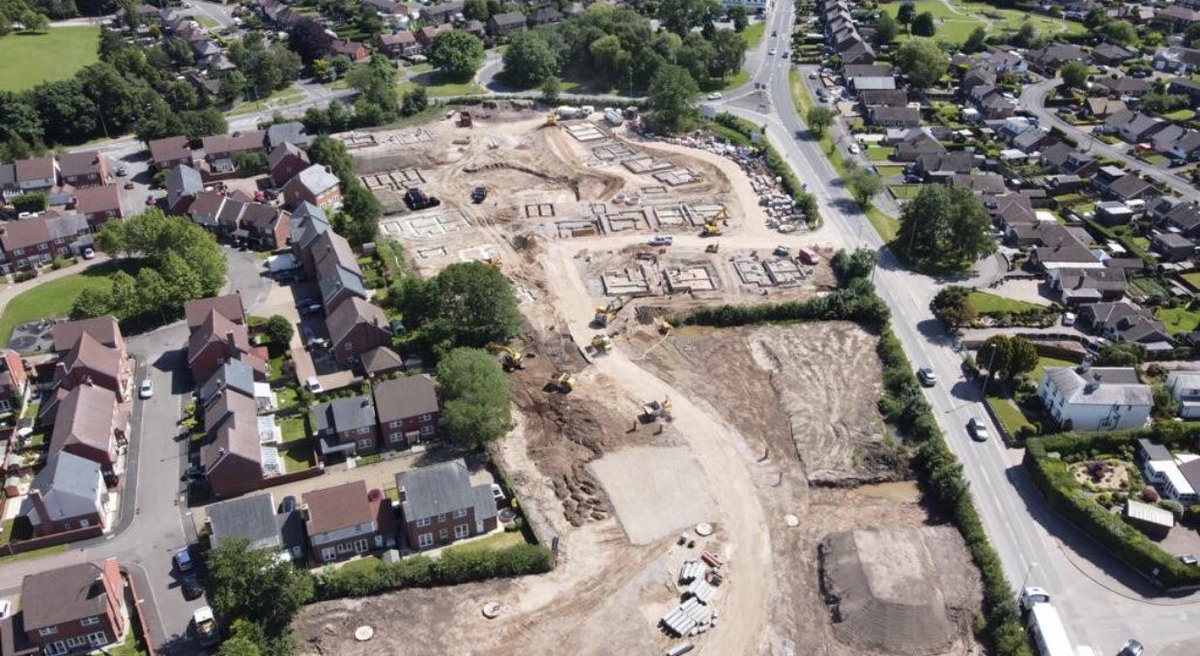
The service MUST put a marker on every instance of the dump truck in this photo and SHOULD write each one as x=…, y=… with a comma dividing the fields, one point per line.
x=479, y=194
x=416, y=199
x=808, y=256
x=602, y=343
x=206, y=627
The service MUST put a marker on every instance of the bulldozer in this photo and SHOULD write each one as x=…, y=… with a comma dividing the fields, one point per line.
x=712, y=248
x=602, y=343
x=551, y=119
x=606, y=313
x=510, y=358
x=563, y=382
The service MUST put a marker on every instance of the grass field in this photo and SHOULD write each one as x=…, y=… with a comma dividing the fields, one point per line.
x=52, y=299
x=878, y=153
x=1180, y=115
x=1009, y=414
x=956, y=24
x=440, y=85
x=905, y=191
x=1193, y=278
x=754, y=33
x=493, y=542
x=1178, y=320
x=985, y=303
x=1046, y=361
x=279, y=98
x=30, y=59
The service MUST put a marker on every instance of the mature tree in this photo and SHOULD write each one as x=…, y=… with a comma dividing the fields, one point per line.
x=279, y=330
x=551, y=88
x=529, y=60
x=308, y=38
x=886, y=29
x=253, y=584
x=91, y=302
x=945, y=227
x=1122, y=354
x=378, y=101
x=923, y=24
x=1191, y=36
x=239, y=644
x=608, y=56
x=152, y=294
x=864, y=185
x=18, y=118
x=672, y=97
x=415, y=101
x=952, y=306
x=1096, y=17
x=474, y=395
x=332, y=153
x=819, y=118
x=1165, y=103
x=696, y=55
x=1022, y=357
x=466, y=304
x=906, y=13
x=1120, y=32
x=199, y=123
x=458, y=53
x=476, y=10
x=125, y=299
x=993, y=355
x=361, y=210
x=181, y=278
x=1074, y=74
x=67, y=114
x=740, y=18
x=680, y=16
x=35, y=22
x=729, y=53
x=34, y=201
x=977, y=42
x=1027, y=36
x=922, y=61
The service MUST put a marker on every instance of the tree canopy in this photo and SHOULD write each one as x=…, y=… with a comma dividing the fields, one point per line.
x=672, y=97
x=923, y=24
x=944, y=227
x=952, y=306
x=528, y=61
x=922, y=61
x=819, y=118
x=886, y=29
x=863, y=184
x=474, y=394
x=252, y=586
x=1074, y=74
x=466, y=304
x=458, y=53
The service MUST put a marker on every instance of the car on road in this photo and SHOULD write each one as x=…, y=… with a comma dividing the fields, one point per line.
x=771, y=52
x=977, y=429
x=191, y=588
x=716, y=95
x=854, y=149
x=310, y=338
x=1131, y=648
x=146, y=390
x=122, y=171
x=1188, y=559
x=308, y=306
x=661, y=240
x=287, y=505
x=927, y=376
x=183, y=560
x=1068, y=318
x=89, y=253
x=812, y=76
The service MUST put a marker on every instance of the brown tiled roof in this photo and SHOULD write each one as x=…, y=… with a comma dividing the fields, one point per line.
x=92, y=355
x=227, y=405
x=237, y=437
x=104, y=329
x=62, y=595
x=97, y=199
x=82, y=163
x=24, y=233
x=34, y=168
x=85, y=416
x=261, y=217
x=337, y=507
x=229, y=305
x=217, y=328
x=399, y=38
x=353, y=312
x=331, y=249
x=169, y=149
x=401, y=398
x=232, y=143
x=283, y=150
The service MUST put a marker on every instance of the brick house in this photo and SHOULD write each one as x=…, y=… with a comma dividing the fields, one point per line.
x=220, y=149
x=440, y=505
x=339, y=277
x=84, y=169
x=36, y=174
x=103, y=329
x=218, y=340
x=343, y=523
x=93, y=363
x=315, y=184
x=229, y=305
x=285, y=161
x=77, y=608
x=89, y=423
x=356, y=51
x=506, y=23
x=169, y=152
x=232, y=456
x=233, y=219
x=345, y=426
x=400, y=44
x=14, y=382
x=33, y=242
x=99, y=204
x=407, y=409
x=182, y=184
x=68, y=494
x=308, y=223
x=355, y=327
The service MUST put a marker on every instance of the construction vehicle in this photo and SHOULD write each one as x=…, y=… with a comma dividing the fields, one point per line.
x=494, y=262
x=654, y=410
x=551, y=119
x=479, y=194
x=563, y=383
x=605, y=314
x=206, y=627
x=712, y=248
x=419, y=200
x=711, y=229
x=510, y=358
x=602, y=343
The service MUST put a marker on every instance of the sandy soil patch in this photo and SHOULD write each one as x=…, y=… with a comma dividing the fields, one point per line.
x=655, y=491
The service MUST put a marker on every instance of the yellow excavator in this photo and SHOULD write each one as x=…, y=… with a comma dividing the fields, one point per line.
x=712, y=227
x=551, y=119
x=606, y=313
x=602, y=343
x=494, y=262
x=510, y=358
x=563, y=382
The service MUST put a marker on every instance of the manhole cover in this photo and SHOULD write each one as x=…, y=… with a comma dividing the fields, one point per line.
x=704, y=529
x=791, y=520
x=364, y=633
x=491, y=610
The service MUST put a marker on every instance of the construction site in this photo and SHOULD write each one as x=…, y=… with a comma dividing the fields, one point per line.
x=732, y=488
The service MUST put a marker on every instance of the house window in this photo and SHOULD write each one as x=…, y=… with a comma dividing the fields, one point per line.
x=441, y=518
x=345, y=547
x=427, y=430
x=89, y=621
x=443, y=534
x=361, y=545
x=83, y=523
x=423, y=522
x=18, y=251
x=328, y=554
x=56, y=648
x=42, y=247
x=98, y=639
x=47, y=631
x=365, y=444
x=460, y=531
x=425, y=417
x=5, y=405
x=76, y=641
x=349, y=346
x=395, y=424
x=459, y=514
x=424, y=540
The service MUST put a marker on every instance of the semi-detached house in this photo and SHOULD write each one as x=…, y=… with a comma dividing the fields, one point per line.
x=77, y=608
x=342, y=522
x=440, y=505
x=408, y=410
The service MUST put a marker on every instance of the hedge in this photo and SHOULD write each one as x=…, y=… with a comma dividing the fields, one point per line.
x=454, y=566
x=1064, y=494
x=857, y=302
x=791, y=185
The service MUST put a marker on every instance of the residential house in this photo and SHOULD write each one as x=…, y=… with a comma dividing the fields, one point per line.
x=1172, y=247
x=1103, y=107
x=235, y=376
x=399, y=44
x=1064, y=158
x=1111, y=54
x=14, y=382
x=1125, y=86
x=315, y=184
x=381, y=361
x=475, y=28
x=307, y=224
x=285, y=161
x=1185, y=87
x=1008, y=210
x=871, y=98
x=355, y=327
x=981, y=184
x=1062, y=184
x=233, y=457
x=1005, y=62
x=981, y=74
x=1185, y=387
x=443, y=12
x=408, y=410
x=229, y=305
x=253, y=519
x=1052, y=56
x=68, y=494
x=1163, y=470
x=356, y=51
x=1133, y=127
x=291, y=132
x=440, y=505
x=506, y=23
x=894, y=117
x=89, y=423
x=66, y=335
x=343, y=523
x=544, y=16
x=992, y=103
x=182, y=183
x=338, y=274
x=220, y=149
x=856, y=51
x=427, y=34
x=1031, y=141
x=944, y=164
x=256, y=223
x=1177, y=60
x=1112, y=213
x=1127, y=322
x=1177, y=142
x=8, y=181
x=1096, y=398
x=99, y=204
x=36, y=174
x=1177, y=17
x=217, y=341
x=74, y=609
x=1131, y=187
x=91, y=362
x=915, y=144
x=1080, y=286
x=84, y=169
x=1065, y=253
x=1183, y=218
x=33, y=242
x=169, y=152
x=345, y=426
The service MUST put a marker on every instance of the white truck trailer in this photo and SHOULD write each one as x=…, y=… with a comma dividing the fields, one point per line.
x=1044, y=623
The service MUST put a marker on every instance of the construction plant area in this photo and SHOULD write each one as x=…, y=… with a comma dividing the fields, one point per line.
x=735, y=489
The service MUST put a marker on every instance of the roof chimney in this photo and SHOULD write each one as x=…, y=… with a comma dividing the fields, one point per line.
x=402, y=493
x=229, y=340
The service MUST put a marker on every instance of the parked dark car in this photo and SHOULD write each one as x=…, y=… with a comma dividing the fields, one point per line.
x=191, y=587
x=288, y=504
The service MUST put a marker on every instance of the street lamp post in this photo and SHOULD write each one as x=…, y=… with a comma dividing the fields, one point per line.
x=1028, y=569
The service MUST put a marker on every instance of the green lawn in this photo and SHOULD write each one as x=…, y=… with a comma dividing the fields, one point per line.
x=292, y=428
x=734, y=81
x=1178, y=320
x=1047, y=361
x=1180, y=115
x=986, y=303
x=1193, y=278
x=278, y=98
x=30, y=59
x=905, y=191
x=492, y=542
x=956, y=22
x=365, y=564
x=210, y=23
x=1009, y=414
x=886, y=171
x=879, y=153
x=754, y=33
x=52, y=299
x=128, y=648
x=438, y=84
x=297, y=459
x=886, y=225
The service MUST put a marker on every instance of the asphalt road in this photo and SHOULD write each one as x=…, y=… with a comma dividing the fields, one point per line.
x=1033, y=98
x=1099, y=600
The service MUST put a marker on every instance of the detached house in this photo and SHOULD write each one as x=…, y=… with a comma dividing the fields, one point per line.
x=316, y=185
x=408, y=410
x=400, y=44
x=85, y=169
x=915, y=144
x=253, y=518
x=355, y=327
x=99, y=204
x=237, y=377
x=93, y=363
x=1087, y=285
x=68, y=494
x=229, y=306
x=182, y=183
x=357, y=52
x=1096, y=398
x=343, y=523
x=72, y=609
x=285, y=161
x=1124, y=321
x=90, y=424
x=506, y=23
x=440, y=505
x=345, y=426
x=1133, y=127
x=217, y=341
